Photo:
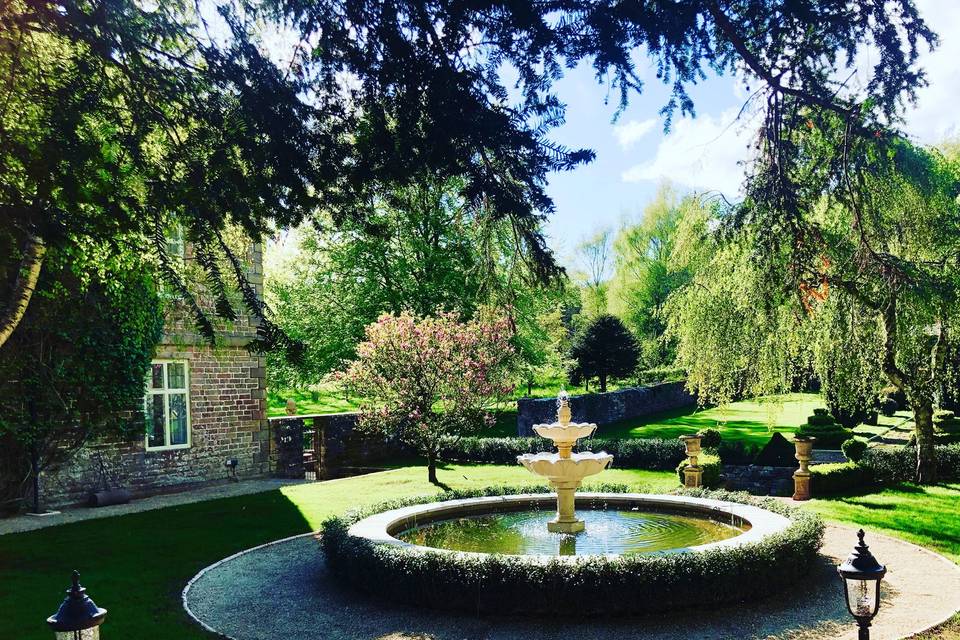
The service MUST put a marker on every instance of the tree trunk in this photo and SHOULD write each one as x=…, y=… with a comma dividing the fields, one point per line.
x=926, y=442
x=27, y=275
x=603, y=383
x=529, y=388
x=432, y=468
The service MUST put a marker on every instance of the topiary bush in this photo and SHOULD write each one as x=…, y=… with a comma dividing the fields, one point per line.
x=853, y=449
x=895, y=394
x=827, y=479
x=710, y=438
x=712, y=470
x=504, y=584
x=945, y=421
x=888, y=406
x=824, y=429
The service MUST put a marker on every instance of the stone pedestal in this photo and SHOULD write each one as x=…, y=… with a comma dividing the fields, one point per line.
x=801, y=477
x=692, y=477
x=692, y=473
x=566, y=520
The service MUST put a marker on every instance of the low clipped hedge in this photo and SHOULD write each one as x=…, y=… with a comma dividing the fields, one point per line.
x=650, y=454
x=828, y=479
x=711, y=466
x=890, y=466
x=505, y=584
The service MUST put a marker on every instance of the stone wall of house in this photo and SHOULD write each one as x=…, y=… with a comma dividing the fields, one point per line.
x=227, y=411
x=227, y=420
x=605, y=408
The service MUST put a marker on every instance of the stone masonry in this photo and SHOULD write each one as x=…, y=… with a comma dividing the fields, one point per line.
x=604, y=408
x=227, y=391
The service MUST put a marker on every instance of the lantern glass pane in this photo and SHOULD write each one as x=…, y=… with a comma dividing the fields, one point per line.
x=87, y=634
x=862, y=597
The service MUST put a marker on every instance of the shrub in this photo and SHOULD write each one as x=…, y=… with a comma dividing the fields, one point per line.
x=853, y=449
x=827, y=433
x=712, y=469
x=660, y=374
x=650, y=454
x=737, y=452
x=888, y=406
x=503, y=584
x=945, y=421
x=895, y=394
x=827, y=479
x=890, y=466
x=778, y=452
x=710, y=438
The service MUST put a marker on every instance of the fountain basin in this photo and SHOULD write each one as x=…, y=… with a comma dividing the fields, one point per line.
x=558, y=469
x=770, y=552
x=753, y=522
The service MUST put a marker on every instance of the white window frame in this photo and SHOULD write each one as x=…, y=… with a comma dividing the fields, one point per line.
x=176, y=244
x=166, y=392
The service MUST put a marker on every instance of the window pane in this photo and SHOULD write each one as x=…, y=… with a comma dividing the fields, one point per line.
x=176, y=374
x=155, y=421
x=178, y=418
x=156, y=376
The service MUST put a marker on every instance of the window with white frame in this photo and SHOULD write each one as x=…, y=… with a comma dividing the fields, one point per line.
x=168, y=405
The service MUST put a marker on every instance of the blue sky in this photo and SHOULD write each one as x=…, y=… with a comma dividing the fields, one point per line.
x=702, y=153
x=600, y=194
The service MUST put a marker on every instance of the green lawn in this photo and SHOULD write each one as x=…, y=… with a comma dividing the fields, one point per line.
x=331, y=399
x=136, y=565
x=750, y=421
x=924, y=515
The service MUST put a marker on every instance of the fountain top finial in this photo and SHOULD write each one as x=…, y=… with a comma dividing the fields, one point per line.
x=563, y=408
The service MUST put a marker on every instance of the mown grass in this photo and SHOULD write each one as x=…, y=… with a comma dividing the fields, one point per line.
x=749, y=421
x=136, y=565
x=924, y=515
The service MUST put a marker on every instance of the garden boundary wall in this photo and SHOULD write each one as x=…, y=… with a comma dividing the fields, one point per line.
x=332, y=442
x=605, y=408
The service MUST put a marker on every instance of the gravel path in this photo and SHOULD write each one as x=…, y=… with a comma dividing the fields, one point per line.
x=18, y=524
x=283, y=590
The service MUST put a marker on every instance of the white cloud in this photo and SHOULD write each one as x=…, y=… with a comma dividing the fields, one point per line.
x=627, y=134
x=702, y=153
x=937, y=114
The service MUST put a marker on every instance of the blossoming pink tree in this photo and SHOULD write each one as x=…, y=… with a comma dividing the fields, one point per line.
x=432, y=379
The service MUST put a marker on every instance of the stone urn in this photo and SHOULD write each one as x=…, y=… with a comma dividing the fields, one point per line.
x=801, y=477
x=692, y=472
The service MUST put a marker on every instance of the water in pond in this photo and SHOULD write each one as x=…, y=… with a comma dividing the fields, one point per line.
x=607, y=531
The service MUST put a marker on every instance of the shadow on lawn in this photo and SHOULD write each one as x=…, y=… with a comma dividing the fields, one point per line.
x=135, y=566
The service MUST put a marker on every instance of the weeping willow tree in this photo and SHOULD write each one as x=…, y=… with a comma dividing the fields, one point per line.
x=862, y=286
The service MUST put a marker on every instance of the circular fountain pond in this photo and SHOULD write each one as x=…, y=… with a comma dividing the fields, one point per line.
x=616, y=524
x=608, y=531
x=639, y=553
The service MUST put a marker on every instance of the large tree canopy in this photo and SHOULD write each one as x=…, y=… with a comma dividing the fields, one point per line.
x=870, y=296
x=118, y=115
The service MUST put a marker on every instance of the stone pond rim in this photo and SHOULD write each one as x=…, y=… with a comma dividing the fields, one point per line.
x=757, y=523
x=776, y=551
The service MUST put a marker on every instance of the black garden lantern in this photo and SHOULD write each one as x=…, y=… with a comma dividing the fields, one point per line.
x=861, y=575
x=78, y=617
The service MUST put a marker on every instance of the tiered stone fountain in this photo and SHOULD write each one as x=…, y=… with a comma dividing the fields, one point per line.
x=564, y=469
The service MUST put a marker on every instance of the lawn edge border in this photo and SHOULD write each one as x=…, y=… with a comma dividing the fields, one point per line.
x=186, y=589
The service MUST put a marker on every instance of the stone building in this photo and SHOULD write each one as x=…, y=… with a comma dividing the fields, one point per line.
x=204, y=405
